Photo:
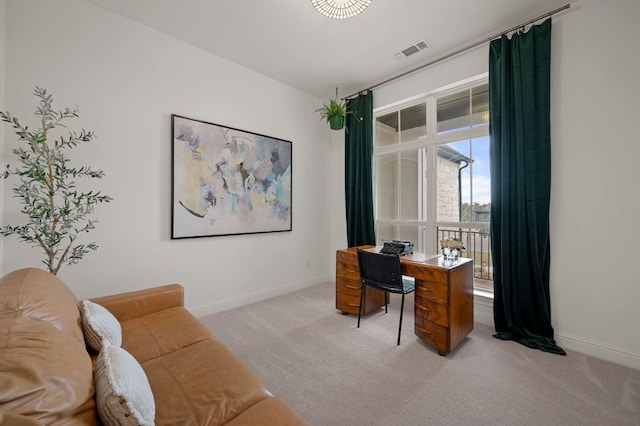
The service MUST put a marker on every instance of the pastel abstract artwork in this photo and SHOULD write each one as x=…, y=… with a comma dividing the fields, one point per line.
x=228, y=181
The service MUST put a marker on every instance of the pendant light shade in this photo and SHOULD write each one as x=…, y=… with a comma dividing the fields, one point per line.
x=340, y=9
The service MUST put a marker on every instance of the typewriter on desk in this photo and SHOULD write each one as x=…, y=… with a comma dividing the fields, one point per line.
x=397, y=247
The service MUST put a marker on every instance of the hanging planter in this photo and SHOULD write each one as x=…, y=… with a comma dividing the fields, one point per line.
x=336, y=122
x=335, y=112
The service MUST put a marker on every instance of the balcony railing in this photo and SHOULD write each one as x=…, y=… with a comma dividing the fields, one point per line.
x=477, y=244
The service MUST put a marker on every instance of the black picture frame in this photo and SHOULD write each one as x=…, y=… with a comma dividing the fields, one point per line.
x=227, y=181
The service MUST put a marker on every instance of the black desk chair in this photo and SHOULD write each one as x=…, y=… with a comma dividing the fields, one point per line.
x=382, y=271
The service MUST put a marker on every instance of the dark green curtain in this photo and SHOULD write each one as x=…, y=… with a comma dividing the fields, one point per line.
x=358, y=170
x=519, y=105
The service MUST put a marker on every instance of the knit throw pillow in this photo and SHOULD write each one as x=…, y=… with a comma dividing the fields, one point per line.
x=98, y=325
x=123, y=393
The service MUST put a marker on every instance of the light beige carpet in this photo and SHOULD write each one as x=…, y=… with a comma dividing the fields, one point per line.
x=332, y=373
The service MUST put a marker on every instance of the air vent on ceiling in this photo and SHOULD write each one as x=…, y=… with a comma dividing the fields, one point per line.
x=411, y=50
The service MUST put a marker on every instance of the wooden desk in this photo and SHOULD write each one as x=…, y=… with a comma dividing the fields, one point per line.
x=443, y=301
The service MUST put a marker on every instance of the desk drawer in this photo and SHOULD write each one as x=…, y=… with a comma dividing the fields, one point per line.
x=348, y=286
x=433, y=334
x=350, y=303
x=429, y=311
x=437, y=293
x=345, y=270
x=425, y=273
x=349, y=257
x=347, y=302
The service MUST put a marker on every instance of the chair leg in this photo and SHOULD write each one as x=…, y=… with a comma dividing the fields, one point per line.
x=386, y=301
x=401, y=311
x=362, y=291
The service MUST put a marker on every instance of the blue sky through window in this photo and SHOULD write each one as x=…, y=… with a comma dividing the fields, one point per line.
x=478, y=149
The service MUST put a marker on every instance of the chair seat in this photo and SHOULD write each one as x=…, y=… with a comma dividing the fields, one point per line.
x=408, y=284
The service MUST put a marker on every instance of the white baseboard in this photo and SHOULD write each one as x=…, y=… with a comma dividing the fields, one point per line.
x=211, y=308
x=483, y=314
x=483, y=309
x=599, y=350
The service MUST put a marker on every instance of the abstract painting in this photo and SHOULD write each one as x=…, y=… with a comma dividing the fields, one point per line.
x=228, y=181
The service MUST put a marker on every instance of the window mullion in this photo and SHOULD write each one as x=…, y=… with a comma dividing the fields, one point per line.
x=399, y=180
x=431, y=204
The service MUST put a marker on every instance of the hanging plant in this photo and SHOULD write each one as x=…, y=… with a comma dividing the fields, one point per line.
x=335, y=112
x=54, y=210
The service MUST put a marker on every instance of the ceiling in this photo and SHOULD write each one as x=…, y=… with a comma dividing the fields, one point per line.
x=289, y=41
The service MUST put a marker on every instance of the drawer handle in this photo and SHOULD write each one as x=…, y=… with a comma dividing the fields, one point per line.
x=423, y=308
x=352, y=287
x=353, y=304
x=425, y=331
x=427, y=290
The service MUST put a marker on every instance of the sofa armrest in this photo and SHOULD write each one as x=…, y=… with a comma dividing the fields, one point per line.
x=138, y=303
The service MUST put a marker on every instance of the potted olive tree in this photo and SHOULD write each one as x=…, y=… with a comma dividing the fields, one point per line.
x=55, y=211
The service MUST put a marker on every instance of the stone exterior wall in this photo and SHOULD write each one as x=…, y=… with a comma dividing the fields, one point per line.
x=448, y=191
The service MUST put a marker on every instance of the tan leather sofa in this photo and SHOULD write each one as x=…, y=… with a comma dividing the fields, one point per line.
x=46, y=368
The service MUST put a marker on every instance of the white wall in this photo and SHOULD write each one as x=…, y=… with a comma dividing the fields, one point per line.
x=127, y=80
x=337, y=204
x=3, y=14
x=595, y=286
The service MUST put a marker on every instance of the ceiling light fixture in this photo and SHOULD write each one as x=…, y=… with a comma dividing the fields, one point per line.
x=340, y=9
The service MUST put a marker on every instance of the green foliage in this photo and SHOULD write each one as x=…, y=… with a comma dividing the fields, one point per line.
x=336, y=108
x=56, y=212
x=468, y=212
x=332, y=109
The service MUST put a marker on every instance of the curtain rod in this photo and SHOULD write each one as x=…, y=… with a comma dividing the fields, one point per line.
x=459, y=51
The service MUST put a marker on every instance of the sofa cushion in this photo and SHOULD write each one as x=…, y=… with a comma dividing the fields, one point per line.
x=45, y=370
x=99, y=324
x=268, y=412
x=123, y=393
x=153, y=335
x=202, y=384
x=11, y=419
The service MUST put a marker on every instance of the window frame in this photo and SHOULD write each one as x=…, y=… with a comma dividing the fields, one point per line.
x=427, y=155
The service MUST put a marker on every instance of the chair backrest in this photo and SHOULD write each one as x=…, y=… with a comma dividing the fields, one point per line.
x=380, y=270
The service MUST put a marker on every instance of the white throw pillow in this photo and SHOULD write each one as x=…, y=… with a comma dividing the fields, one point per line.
x=123, y=393
x=99, y=324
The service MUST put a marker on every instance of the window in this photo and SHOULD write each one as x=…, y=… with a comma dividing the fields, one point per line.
x=431, y=173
